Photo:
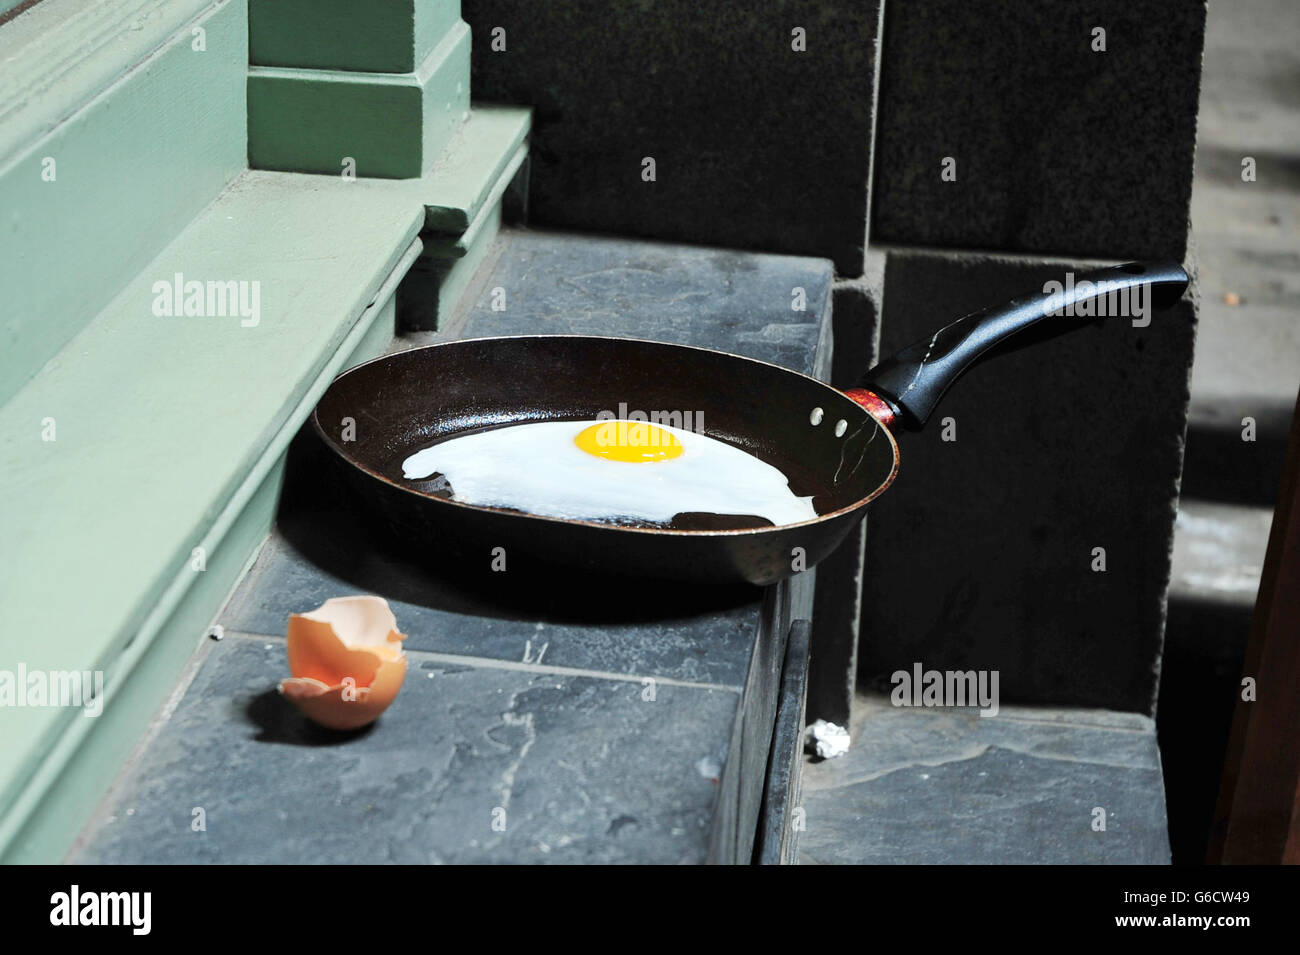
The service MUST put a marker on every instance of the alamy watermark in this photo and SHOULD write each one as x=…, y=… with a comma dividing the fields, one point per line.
x=627, y=433
x=1101, y=299
x=212, y=299
x=921, y=687
x=127, y=909
x=80, y=688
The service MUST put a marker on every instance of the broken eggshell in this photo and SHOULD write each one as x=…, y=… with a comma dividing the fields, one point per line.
x=347, y=661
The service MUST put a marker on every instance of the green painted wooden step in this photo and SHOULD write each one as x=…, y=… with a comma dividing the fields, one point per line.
x=380, y=36
x=391, y=125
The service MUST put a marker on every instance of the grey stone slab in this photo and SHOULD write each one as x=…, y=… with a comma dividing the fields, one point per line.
x=1059, y=149
x=980, y=554
x=949, y=786
x=699, y=638
x=586, y=770
x=561, y=284
x=756, y=145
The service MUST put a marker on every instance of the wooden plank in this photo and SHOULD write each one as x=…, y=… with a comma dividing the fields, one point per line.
x=480, y=159
x=391, y=125
x=379, y=36
x=1258, y=816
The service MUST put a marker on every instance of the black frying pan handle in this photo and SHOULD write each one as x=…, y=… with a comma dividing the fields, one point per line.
x=914, y=379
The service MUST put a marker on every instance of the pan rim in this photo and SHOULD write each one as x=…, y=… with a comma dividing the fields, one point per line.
x=599, y=525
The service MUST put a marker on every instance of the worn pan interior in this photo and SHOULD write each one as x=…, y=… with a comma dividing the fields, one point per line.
x=405, y=402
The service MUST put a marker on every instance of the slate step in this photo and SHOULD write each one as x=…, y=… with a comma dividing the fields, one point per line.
x=526, y=699
x=1218, y=551
x=1024, y=786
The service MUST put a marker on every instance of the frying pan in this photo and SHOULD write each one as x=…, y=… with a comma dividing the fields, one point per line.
x=837, y=446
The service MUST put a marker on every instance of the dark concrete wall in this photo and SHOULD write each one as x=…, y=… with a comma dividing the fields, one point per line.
x=1059, y=149
x=980, y=554
x=756, y=146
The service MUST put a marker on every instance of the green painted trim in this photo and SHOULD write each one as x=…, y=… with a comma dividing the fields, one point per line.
x=435, y=287
x=61, y=54
x=457, y=279
x=134, y=160
x=392, y=125
x=455, y=247
x=8, y=7
x=378, y=36
x=474, y=164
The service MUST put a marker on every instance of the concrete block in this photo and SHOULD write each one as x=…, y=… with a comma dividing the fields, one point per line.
x=834, y=664
x=1059, y=149
x=756, y=145
x=856, y=321
x=981, y=555
x=379, y=36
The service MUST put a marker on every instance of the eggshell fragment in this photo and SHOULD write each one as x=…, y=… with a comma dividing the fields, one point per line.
x=347, y=661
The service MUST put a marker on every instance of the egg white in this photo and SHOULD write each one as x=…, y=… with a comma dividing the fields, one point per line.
x=537, y=468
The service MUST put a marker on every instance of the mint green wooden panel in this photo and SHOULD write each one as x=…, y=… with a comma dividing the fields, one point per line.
x=392, y=125
x=61, y=54
x=133, y=163
x=379, y=36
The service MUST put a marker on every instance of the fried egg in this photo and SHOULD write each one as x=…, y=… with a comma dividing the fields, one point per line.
x=610, y=470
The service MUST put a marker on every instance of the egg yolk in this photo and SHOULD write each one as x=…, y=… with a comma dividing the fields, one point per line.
x=636, y=442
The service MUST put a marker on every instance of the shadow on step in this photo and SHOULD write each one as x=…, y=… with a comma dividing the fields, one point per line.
x=1219, y=465
x=1200, y=678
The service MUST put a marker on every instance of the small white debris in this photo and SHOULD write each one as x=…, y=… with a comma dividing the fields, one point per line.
x=826, y=740
x=708, y=767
